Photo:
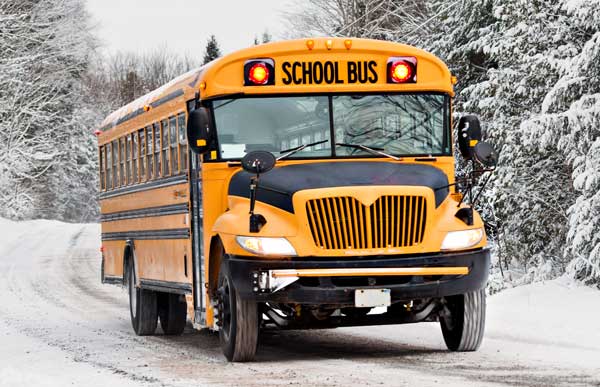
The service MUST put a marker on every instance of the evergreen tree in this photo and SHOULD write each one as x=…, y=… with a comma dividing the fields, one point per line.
x=569, y=126
x=212, y=51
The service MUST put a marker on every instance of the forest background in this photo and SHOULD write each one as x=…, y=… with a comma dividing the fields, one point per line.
x=529, y=69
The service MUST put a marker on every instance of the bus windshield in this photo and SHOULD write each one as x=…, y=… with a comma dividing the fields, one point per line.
x=397, y=124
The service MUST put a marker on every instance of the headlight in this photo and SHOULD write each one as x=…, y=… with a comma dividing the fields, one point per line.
x=266, y=246
x=456, y=240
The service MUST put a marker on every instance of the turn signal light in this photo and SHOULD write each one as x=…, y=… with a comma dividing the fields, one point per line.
x=259, y=72
x=402, y=70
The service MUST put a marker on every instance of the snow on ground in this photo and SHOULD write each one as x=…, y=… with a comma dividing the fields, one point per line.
x=60, y=326
x=561, y=312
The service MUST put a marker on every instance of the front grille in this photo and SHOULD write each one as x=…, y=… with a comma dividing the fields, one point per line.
x=345, y=223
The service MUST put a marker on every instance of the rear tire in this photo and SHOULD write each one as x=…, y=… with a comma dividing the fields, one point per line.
x=142, y=306
x=464, y=325
x=172, y=311
x=238, y=331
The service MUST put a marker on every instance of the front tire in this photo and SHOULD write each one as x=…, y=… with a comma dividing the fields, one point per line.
x=142, y=306
x=238, y=319
x=463, y=322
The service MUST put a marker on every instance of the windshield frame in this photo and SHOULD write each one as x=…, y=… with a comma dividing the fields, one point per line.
x=446, y=140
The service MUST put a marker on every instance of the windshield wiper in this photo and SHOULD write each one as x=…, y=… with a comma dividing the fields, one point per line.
x=291, y=151
x=375, y=151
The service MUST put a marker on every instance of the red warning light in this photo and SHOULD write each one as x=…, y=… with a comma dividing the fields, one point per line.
x=402, y=69
x=401, y=72
x=259, y=74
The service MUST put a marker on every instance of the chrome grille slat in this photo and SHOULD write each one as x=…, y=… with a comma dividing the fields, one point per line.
x=345, y=223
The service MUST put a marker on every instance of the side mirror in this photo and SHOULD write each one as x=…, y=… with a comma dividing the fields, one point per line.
x=485, y=154
x=258, y=162
x=469, y=134
x=198, y=130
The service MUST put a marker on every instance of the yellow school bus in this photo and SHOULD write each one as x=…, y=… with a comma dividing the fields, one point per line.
x=298, y=184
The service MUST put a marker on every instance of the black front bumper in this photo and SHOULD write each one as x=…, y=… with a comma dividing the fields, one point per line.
x=340, y=291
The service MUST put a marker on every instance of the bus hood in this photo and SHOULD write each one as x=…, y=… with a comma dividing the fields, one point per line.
x=278, y=186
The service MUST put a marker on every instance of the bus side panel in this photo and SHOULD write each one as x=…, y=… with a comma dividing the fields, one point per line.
x=157, y=222
x=174, y=194
x=164, y=260
x=113, y=258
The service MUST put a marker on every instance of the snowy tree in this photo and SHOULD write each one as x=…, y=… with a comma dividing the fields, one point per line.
x=569, y=125
x=212, y=50
x=45, y=49
x=116, y=80
x=377, y=19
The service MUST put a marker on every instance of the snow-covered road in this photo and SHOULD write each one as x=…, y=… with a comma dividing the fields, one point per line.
x=59, y=326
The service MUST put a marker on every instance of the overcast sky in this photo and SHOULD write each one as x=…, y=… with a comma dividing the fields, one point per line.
x=184, y=25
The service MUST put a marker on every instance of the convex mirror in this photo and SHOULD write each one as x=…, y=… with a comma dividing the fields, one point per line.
x=485, y=154
x=258, y=162
x=198, y=130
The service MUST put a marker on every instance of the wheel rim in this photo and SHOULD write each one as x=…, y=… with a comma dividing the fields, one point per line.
x=225, y=309
x=132, y=293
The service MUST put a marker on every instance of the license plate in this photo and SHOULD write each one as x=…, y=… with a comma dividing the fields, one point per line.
x=372, y=298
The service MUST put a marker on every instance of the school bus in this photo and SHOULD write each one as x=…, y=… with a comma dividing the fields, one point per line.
x=297, y=184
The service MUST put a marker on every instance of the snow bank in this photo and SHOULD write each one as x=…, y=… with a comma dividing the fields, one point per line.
x=561, y=312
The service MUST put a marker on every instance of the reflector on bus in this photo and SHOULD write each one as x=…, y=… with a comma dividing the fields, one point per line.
x=402, y=69
x=259, y=72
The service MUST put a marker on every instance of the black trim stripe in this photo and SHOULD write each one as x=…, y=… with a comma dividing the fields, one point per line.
x=172, y=209
x=175, y=233
x=164, y=182
x=166, y=286
x=112, y=280
x=139, y=111
x=167, y=98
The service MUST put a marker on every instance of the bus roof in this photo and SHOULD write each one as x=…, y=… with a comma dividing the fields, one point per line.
x=225, y=75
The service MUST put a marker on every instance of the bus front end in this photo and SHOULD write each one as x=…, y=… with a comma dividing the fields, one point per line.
x=329, y=195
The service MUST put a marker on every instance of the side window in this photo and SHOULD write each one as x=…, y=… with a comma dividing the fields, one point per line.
x=157, y=150
x=135, y=152
x=128, y=156
x=108, y=166
x=150, y=152
x=183, y=158
x=142, y=134
x=102, y=172
x=173, y=145
x=165, y=148
x=122, y=161
x=115, y=163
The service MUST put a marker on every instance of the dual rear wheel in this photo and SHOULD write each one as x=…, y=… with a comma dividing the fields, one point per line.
x=147, y=307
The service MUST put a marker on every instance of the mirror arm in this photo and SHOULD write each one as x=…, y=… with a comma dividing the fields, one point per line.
x=256, y=220
x=253, y=186
x=474, y=201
